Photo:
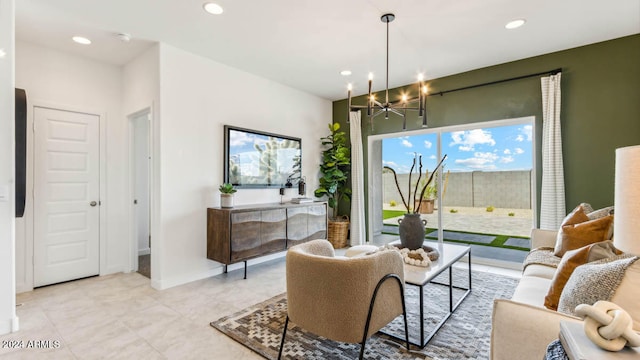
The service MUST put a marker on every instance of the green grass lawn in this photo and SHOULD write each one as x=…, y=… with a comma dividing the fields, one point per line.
x=388, y=214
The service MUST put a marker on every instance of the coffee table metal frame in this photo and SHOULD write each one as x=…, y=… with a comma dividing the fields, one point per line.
x=421, y=284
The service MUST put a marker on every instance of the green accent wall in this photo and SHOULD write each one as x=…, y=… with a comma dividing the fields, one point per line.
x=600, y=109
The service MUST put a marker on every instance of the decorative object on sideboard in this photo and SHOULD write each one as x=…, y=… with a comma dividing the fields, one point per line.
x=226, y=195
x=333, y=183
x=608, y=325
x=411, y=227
x=375, y=107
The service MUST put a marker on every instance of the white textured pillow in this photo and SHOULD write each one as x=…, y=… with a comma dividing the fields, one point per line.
x=600, y=280
x=628, y=294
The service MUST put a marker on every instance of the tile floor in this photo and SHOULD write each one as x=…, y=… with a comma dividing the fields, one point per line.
x=120, y=316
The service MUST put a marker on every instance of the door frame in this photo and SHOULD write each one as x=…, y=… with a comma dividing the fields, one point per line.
x=133, y=239
x=29, y=207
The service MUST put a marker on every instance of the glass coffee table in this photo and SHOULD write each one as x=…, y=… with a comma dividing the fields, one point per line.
x=421, y=276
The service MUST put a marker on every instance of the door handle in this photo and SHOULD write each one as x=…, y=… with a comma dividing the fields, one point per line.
x=93, y=203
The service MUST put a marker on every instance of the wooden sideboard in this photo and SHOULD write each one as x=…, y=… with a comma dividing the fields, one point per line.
x=245, y=232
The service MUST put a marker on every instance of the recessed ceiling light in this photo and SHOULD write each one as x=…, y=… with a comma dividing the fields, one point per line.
x=81, y=40
x=515, y=24
x=212, y=8
x=3, y=53
x=345, y=72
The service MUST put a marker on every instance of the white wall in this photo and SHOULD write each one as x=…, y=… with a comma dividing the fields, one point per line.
x=8, y=318
x=69, y=82
x=197, y=97
x=141, y=90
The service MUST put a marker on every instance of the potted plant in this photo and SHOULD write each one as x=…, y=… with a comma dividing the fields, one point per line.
x=411, y=227
x=426, y=204
x=226, y=195
x=334, y=171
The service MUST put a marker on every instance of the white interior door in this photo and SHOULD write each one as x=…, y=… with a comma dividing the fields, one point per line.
x=66, y=196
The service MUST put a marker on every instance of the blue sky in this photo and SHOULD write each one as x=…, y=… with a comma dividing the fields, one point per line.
x=489, y=149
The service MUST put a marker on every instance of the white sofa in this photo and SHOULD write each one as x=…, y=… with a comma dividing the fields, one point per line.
x=522, y=327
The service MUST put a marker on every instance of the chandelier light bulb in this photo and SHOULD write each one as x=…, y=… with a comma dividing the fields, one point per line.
x=425, y=89
x=421, y=77
x=404, y=98
x=370, y=76
x=349, y=87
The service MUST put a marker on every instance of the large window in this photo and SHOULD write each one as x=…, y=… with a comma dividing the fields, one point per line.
x=484, y=194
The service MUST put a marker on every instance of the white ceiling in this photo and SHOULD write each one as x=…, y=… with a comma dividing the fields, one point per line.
x=305, y=43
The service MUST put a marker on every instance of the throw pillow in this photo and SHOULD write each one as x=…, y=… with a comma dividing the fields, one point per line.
x=572, y=259
x=577, y=231
x=600, y=213
x=595, y=281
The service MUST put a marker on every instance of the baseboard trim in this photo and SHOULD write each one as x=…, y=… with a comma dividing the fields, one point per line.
x=9, y=326
x=146, y=251
x=216, y=270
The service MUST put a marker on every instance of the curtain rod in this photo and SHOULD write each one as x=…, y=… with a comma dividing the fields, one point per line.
x=550, y=72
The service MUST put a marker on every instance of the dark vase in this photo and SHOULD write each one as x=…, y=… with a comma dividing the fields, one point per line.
x=412, y=231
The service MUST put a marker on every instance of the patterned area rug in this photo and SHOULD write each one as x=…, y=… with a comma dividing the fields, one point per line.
x=466, y=335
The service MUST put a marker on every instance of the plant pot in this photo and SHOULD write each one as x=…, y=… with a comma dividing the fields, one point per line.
x=226, y=200
x=412, y=231
x=426, y=206
x=337, y=232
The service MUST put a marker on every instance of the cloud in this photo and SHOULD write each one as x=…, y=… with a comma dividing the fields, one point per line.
x=428, y=144
x=389, y=163
x=506, y=159
x=507, y=152
x=480, y=160
x=520, y=138
x=518, y=151
x=527, y=130
x=241, y=138
x=406, y=143
x=432, y=157
x=467, y=140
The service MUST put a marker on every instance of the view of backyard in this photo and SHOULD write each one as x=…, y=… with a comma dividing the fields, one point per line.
x=486, y=185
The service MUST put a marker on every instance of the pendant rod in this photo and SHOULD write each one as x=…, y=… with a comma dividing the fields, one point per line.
x=387, y=87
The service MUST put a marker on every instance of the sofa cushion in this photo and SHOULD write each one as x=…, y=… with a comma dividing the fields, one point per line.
x=599, y=280
x=539, y=270
x=571, y=260
x=577, y=231
x=531, y=290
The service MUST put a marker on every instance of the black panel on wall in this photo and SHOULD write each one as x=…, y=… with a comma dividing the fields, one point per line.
x=21, y=151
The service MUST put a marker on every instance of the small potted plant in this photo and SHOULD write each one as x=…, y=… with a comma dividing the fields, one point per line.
x=226, y=195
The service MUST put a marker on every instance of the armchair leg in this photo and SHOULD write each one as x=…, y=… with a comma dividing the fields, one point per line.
x=284, y=333
x=373, y=300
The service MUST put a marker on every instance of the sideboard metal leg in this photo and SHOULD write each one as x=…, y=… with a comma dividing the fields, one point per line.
x=225, y=268
x=245, y=270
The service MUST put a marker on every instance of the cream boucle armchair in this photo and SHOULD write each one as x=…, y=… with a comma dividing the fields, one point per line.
x=340, y=298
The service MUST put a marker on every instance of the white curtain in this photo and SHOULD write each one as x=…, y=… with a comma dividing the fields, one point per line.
x=358, y=231
x=552, y=207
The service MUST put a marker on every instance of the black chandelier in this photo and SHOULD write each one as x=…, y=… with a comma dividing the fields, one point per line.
x=375, y=107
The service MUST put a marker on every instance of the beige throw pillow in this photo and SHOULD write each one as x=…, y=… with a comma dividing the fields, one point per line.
x=572, y=259
x=600, y=280
x=577, y=231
